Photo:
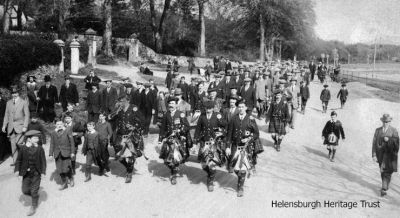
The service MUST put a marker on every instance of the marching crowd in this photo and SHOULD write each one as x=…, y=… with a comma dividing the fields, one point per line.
x=218, y=105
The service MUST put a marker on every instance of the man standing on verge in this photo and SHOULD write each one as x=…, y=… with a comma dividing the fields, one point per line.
x=385, y=148
x=48, y=96
x=68, y=93
x=16, y=120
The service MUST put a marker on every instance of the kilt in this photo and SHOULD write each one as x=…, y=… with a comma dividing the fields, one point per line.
x=276, y=125
x=63, y=164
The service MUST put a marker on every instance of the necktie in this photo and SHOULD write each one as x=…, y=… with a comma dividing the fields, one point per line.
x=14, y=101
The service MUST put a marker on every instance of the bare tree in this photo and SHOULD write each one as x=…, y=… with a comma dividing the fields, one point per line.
x=158, y=31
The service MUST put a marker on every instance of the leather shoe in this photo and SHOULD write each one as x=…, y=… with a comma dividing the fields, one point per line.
x=71, y=182
x=31, y=211
x=173, y=181
x=63, y=186
x=240, y=193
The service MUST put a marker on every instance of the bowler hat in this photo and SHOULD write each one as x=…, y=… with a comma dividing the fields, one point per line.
x=386, y=118
x=178, y=91
x=47, y=78
x=343, y=84
x=31, y=133
x=67, y=77
x=236, y=97
x=326, y=85
x=171, y=98
x=333, y=113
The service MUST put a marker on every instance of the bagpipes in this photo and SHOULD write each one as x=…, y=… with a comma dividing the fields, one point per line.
x=132, y=141
x=174, y=142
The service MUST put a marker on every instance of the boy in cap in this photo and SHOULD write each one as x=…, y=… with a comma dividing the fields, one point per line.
x=342, y=94
x=91, y=150
x=36, y=125
x=93, y=104
x=62, y=148
x=325, y=97
x=331, y=134
x=30, y=164
x=103, y=127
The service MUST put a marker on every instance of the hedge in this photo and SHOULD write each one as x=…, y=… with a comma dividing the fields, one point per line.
x=20, y=54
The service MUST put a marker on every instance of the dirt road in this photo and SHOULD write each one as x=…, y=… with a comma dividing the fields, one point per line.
x=301, y=171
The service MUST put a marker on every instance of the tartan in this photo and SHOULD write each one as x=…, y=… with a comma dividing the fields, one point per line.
x=277, y=126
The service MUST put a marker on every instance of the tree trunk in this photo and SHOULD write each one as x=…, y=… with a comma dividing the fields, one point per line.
x=63, y=10
x=107, y=36
x=262, y=39
x=153, y=22
x=19, y=15
x=160, y=32
x=6, y=16
x=202, y=42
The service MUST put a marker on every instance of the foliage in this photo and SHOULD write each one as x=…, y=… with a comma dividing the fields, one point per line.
x=24, y=53
x=106, y=60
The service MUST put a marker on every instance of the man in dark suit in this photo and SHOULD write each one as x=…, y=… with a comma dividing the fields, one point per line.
x=30, y=164
x=217, y=84
x=123, y=86
x=68, y=93
x=109, y=97
x=241, y=131
x=248, y=93
x=385, y=149
x=147, y=107
x=185, y=88
x=91, y=79
x=312, y=68
x=173, y=121
x=93, y=104
x=48, y=96
x=205, y=132
x=193, y=94
x=232, y=110
x=304, y=95
x=227, y=82
x=136, y=95
x=168, y=79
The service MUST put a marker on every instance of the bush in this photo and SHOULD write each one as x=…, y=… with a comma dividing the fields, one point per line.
x=23, y=53
x=105, y=60
x=83, y=53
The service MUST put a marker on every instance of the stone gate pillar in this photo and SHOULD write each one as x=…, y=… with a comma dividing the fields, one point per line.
x=61, y=44
x=74, y=56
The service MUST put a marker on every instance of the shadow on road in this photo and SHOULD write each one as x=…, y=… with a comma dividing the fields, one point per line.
x=27, y=200
x=316, y=152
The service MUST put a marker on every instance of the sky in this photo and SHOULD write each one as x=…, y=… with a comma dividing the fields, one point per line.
x=353, y=21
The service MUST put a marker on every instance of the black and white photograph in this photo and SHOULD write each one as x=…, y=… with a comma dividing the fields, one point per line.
x=199, y=108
